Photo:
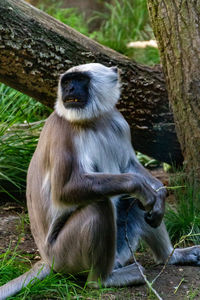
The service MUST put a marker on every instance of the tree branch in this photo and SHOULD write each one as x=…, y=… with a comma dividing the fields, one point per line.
x=35, y=49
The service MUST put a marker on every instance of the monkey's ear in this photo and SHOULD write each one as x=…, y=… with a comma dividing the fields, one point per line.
x=115, y=69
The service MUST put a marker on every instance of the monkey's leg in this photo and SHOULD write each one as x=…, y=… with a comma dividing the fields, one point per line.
x=129, y=221
x=132, y=226
x=160, y=244
x=186, y=256
x=86, y=242
x=123, y=275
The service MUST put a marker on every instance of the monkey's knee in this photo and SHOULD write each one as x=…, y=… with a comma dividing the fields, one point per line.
x=85, y=243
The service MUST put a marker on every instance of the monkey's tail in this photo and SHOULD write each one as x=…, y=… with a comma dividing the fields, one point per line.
x=39, y=271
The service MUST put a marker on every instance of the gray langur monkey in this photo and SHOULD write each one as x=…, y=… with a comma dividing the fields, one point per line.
x=83, y=178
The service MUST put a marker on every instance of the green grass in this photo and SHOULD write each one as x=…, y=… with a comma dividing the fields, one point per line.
x=183, y=217
x=19, y=132
x=24, y=221
x=147, y=56
x=11, y=265
x=193, y=293
x=16, y=107
x=69, y=16
x=54, y=286
x=127, y=21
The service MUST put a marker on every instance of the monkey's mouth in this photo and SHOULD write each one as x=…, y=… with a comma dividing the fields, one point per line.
x=70, y=102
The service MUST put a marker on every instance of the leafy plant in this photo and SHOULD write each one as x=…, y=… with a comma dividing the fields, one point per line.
x=183, y=217
x=69, y=16
x=126, y=21
x=19, y=131
x=147, y=161
x=148, y=56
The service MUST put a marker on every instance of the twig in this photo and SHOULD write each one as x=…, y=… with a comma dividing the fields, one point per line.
x=170, y=187
x=161, y=188
x=27, y=125
x=164, y=267
x=149, y=284
x=179, y=285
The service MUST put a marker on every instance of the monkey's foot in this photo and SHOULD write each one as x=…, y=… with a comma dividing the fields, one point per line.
x=186, y=256
x=125, y=276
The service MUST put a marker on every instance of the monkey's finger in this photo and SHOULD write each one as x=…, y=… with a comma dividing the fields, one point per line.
x=150, y=201
x=155, y=216
x=153, y=219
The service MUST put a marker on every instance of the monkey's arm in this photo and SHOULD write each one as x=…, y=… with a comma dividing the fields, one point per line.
x=155, y=216
x=70, y=185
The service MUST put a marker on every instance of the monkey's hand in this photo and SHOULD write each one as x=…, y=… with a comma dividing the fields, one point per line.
x=154, y=217
x=153, y=201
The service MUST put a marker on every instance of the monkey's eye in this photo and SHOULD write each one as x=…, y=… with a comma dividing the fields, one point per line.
x=115, y=69
x=83, y=78
x=65, y=83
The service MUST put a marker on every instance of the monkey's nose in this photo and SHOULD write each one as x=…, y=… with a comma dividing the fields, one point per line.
x=70, y=89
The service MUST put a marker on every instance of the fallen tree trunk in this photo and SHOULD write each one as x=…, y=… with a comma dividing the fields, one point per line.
x=35, y=48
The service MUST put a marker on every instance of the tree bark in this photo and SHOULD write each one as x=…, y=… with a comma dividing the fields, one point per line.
x=35, y=48
x=176, y=26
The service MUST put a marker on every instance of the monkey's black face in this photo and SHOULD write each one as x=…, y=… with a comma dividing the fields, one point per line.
x=75, y=89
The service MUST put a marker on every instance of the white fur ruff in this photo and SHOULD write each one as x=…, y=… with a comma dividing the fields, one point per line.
x=104, y=92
